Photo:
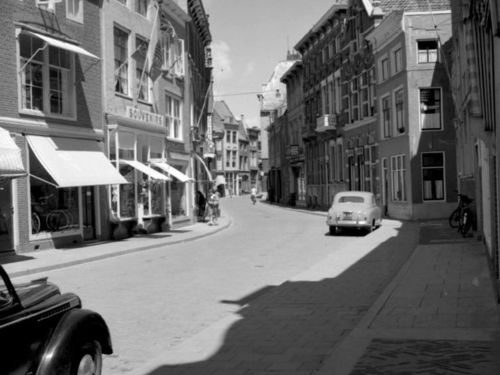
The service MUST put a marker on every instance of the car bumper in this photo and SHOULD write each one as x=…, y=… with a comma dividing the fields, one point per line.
x=348, y=223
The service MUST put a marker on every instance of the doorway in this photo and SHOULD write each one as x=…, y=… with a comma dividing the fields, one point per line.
x=88, y=213
x=6, y=210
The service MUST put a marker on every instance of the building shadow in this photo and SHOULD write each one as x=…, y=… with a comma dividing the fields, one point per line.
x=293, y=327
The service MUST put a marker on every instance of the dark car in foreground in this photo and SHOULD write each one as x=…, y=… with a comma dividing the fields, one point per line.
x=44, y=331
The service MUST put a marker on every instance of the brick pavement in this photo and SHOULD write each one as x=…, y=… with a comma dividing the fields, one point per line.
x=438, y=316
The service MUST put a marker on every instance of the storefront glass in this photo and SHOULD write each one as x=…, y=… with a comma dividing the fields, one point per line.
x=178, y=195
x=52, y=209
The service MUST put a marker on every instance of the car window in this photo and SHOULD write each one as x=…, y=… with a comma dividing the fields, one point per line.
x=351, y=199
x=5, y=296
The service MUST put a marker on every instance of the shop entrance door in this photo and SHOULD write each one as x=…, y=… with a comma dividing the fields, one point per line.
x=88, y=214
x=6, y=210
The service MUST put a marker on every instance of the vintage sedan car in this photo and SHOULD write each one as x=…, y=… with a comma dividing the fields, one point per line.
x=43, y=331
x=354, y=209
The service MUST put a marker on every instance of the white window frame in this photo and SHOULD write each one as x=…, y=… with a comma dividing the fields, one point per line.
x=70, y=10
x=443, y=168
x=125, y=66
x=174, y=131
x=420, y=106
x=398, y=178
x=431, y=58
x=69, y=90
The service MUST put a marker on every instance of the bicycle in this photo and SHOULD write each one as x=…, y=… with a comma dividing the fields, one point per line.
x=462, y=217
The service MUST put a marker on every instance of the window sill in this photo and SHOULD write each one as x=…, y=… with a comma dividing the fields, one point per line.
x=145, y=102
x=33, y=113
x=123, y=96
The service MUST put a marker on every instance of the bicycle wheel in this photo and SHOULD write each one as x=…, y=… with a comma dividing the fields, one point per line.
x=35, y=223
x=466, y=224
x=454, y=219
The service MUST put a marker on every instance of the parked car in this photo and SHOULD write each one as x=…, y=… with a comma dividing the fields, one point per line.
x=354, y=209
x=43, y=331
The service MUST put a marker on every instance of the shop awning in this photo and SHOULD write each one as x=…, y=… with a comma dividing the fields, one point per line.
x=63, y=45
x=11, y=163
x=74, y=162
x=220, y=180
x=173, y=172
x=146, y=170
x=209, y=174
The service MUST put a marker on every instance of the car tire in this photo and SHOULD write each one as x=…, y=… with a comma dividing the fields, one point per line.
x=88, y=359
x=333, y=230
x=372, y=227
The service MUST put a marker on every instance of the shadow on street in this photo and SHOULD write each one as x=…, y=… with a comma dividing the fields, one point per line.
x=292, y=328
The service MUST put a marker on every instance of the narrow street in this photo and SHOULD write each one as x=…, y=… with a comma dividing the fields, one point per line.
x=238, y=281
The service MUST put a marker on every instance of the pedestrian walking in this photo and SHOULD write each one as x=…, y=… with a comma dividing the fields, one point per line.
x=213, y=207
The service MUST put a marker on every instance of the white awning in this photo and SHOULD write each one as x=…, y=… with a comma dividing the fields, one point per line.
x=11, y=163
x=146, y=170
x=209, y=174
x=74, y=162
x=220, y=180
x=63, y=45
x=173, y=172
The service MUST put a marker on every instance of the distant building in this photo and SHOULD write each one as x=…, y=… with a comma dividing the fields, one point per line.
x=272, y=101
x=293, y=168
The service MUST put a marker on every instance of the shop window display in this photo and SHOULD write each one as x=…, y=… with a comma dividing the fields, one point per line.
x=52, y=209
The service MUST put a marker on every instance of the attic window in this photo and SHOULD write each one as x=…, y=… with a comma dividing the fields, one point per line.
x=427, y=51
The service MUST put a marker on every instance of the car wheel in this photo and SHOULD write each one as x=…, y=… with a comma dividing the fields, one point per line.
x=333, y=230
x=371, y=227
x=88, y=359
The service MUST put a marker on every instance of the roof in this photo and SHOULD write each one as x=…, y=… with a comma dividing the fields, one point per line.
x=412, y=5
x=222, y=109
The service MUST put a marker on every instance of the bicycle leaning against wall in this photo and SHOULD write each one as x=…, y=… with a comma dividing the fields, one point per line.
x=462, y=217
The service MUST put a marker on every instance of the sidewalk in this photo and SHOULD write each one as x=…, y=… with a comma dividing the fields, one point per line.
x=437, y=316
x=45, y=260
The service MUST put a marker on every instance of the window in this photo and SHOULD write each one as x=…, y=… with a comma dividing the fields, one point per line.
x=174, y=59
x=228, y=158
x=384, y=66
x=46, y=78
x=142, y=80
x=430, y=109
x=141, y=7
x=228, y=136
x=433, y=175
x=234, y=137
x=427, y=51
x=74, y=10
x=399, y=104
x=121, y=60
x=386, y=117
x=398, y=174
x=173, y=117
x=398, y=60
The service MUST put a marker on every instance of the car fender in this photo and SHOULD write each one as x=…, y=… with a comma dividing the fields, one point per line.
x=74, y=327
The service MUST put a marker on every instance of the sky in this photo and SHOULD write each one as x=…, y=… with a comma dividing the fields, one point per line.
x=249, y=38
